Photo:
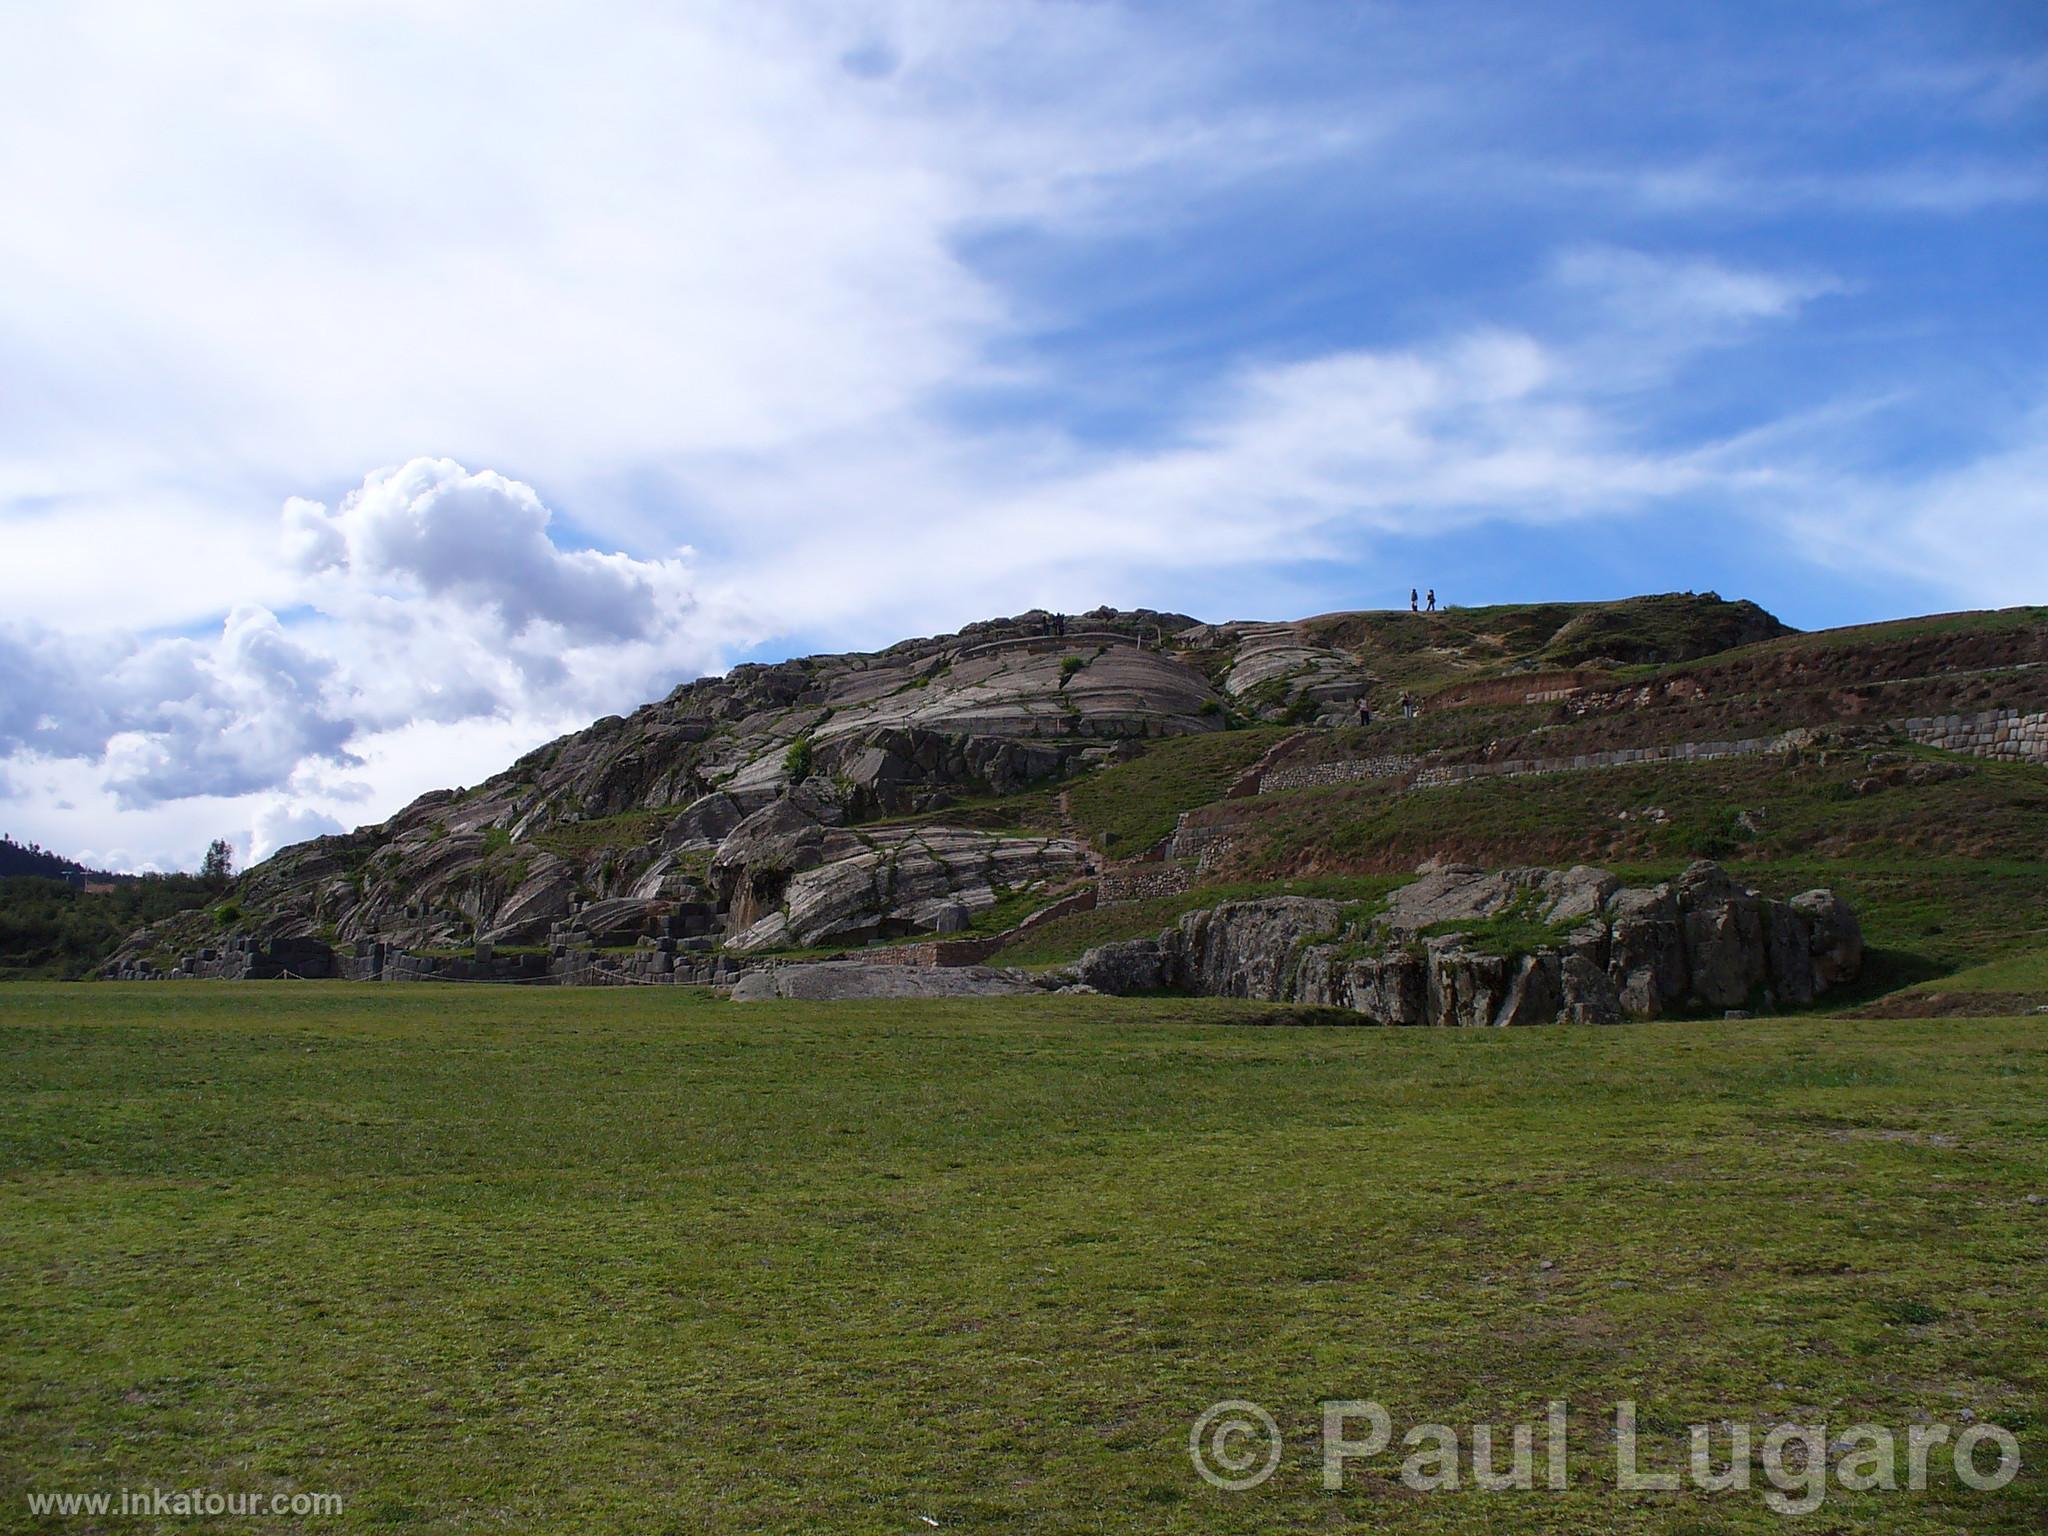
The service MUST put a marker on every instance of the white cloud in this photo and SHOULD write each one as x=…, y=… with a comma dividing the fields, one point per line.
x=1690, y=293
x=431, y=529
x=430, y=594
x=170, y=719
x=1977, y=532
x=558, y=243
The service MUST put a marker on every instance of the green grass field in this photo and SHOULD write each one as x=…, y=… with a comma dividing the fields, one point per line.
x=549, y=1260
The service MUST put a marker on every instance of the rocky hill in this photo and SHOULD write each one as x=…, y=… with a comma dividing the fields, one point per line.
x=953, y=785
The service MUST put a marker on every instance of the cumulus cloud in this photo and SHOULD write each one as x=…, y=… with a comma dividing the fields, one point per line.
x=430, y=528
x=429, y=594
x=447, y=596
x=173, y=718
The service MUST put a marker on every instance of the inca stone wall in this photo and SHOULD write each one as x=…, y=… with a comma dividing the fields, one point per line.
x=1390, y=766
x=2004, y=734
x=1141, y=882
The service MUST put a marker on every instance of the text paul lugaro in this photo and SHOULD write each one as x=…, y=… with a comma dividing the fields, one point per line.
x=1798, y=1462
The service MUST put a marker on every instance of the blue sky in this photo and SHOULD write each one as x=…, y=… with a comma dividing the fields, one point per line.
x=385, y=389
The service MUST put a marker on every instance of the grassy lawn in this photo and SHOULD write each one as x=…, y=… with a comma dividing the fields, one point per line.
x=504, y=1259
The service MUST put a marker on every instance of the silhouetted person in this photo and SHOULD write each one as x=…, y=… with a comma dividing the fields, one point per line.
x=1414, y=600
x=1432, y=600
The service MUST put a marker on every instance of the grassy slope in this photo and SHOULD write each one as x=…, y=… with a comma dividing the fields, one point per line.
x=2026, y=972
x=1127, y=807
x=504, y=1260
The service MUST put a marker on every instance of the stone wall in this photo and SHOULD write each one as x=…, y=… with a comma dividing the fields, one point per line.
x=932, y=952
x=1392, y=765
x=243, y=958
x=1199, y=841
x=2004, y=734
x=1142, y=882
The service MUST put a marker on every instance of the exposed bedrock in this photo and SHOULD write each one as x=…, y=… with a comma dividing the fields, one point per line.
x=1439, y=953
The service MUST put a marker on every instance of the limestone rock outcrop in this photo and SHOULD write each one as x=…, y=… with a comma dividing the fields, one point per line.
x=1607, y=953
x=638, y=807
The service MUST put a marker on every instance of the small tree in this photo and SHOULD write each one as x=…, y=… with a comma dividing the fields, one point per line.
x=218, y=867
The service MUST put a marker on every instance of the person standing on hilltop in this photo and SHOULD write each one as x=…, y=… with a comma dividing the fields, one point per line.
x=1414, y=600
x=1432, y=600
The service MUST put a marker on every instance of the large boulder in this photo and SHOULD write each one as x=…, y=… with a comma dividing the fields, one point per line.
x=1245, y=948
x=1726, y=955
x=1124, y=969
x=1834, y=938
x=1646, y=951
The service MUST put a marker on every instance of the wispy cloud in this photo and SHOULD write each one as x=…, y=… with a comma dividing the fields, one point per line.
x=663, y=322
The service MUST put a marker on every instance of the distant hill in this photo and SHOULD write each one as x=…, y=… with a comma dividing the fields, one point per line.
x=52, y=930
x=33, y=859
x=57, y=916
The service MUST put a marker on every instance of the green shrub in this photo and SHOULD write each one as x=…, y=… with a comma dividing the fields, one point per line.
x=796, y=762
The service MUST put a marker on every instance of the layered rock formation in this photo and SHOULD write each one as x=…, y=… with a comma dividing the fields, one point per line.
x=793, y=876
x=609, y=831
x=1453, y=948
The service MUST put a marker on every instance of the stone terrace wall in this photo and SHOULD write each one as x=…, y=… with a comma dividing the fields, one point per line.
x=1203, y=843
x=2004, y=734
x=1142, y=882
x=932, y=952
x=1392, y=765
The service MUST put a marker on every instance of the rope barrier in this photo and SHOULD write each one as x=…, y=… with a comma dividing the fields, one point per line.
x=579, y=976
